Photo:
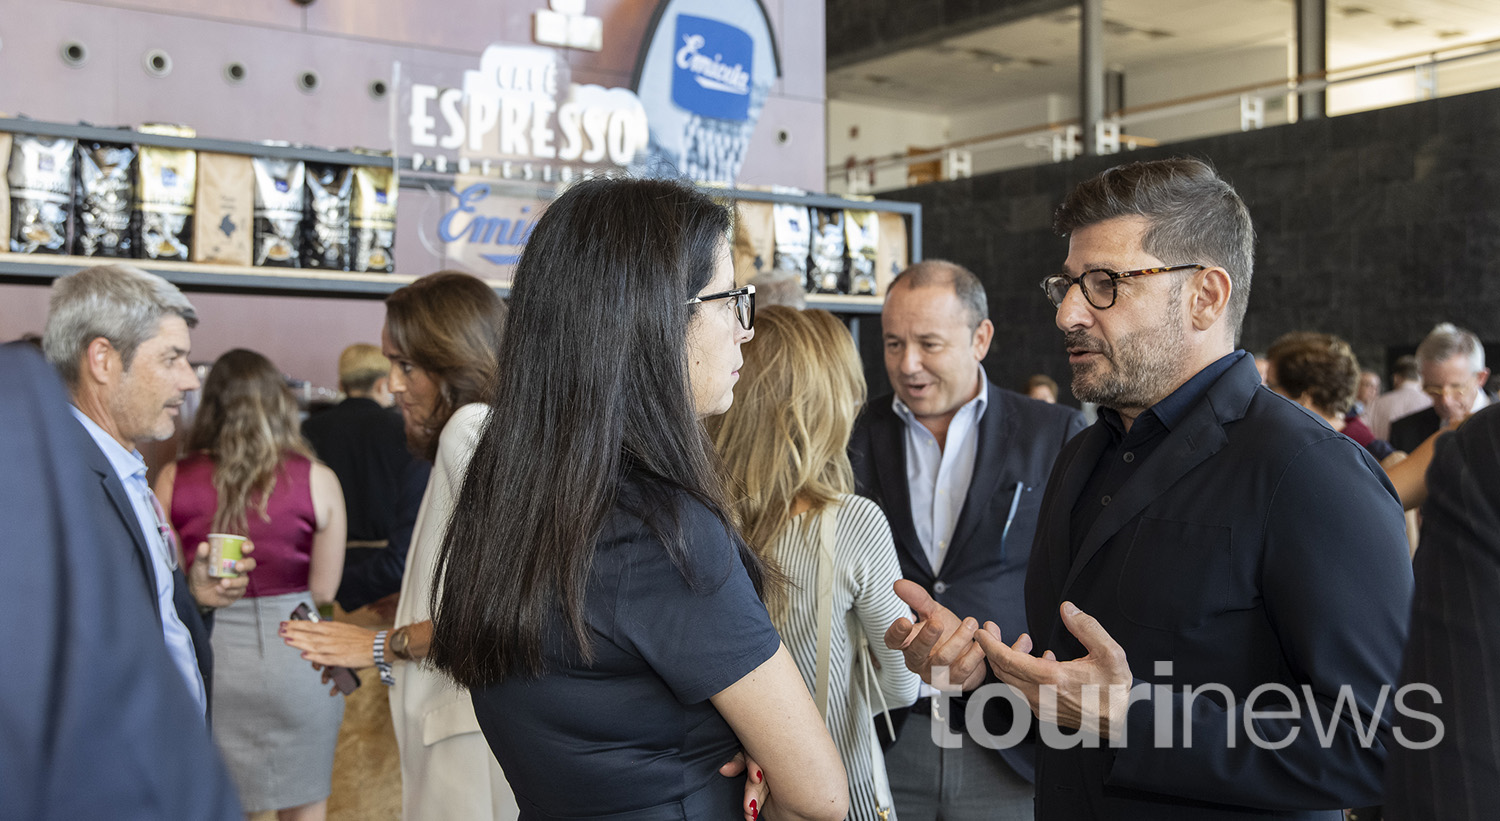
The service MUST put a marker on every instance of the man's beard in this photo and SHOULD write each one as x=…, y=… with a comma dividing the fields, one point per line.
x=1139, y=371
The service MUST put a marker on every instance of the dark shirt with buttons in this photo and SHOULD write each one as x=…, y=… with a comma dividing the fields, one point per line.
x=1128, y=450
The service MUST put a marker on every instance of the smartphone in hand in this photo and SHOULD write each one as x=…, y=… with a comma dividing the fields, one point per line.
x=343, y=678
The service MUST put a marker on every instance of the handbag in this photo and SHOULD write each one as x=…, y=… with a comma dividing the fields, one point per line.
x=828, y=521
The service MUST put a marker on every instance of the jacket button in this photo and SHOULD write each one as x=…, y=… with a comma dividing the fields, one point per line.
x=940, y=587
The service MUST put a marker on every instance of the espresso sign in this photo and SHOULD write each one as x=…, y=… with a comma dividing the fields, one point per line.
x=518, y=116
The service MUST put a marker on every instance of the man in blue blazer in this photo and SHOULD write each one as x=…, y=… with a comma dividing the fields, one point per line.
x=118, y=337
x=94, y=719
x=958, y=465
x=1219, y=580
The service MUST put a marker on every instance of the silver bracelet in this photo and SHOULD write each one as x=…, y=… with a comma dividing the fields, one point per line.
x=380, y=663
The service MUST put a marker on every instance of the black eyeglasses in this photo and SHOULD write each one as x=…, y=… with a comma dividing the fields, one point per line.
x=744, y=304
x=1099, y=286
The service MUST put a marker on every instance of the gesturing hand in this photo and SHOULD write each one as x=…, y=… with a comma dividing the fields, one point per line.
x=939, y=647
x=1105, y=670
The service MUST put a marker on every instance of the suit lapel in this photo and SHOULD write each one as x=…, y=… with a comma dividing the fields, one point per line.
x=114, y=489
x=888, y=446
x=995, y=431
x=1091, y=444
x=1196, y=437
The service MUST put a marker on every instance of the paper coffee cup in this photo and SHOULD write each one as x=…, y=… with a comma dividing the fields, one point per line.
x=224, y=549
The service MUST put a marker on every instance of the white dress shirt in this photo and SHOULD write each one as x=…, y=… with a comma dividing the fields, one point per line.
x=938, y=476
x=131, y=469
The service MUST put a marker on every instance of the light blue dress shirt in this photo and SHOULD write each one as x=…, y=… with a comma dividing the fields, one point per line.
x=938, y=477
x=131, y=469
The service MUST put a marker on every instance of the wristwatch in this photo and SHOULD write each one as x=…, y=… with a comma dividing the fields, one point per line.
x=400, y=643
x=381, y=664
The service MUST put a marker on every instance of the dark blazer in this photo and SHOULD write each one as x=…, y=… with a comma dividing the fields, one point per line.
x=1413, y=429
x=982, y=574
x=1455, y=636
x=1254, y=546
x=107, y=493
x=365, y=446
x=94, y=719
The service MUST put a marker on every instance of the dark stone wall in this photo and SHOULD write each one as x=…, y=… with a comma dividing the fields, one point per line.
x=1372, y=226
x=858, y=30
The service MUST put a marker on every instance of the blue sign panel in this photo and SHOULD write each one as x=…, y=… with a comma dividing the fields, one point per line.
x=712, y=68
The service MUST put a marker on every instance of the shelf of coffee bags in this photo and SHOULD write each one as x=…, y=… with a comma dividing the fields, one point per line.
x=22, y=125
x=198, y=276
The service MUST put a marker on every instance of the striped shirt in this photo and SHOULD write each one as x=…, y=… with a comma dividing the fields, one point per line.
x=865, y=568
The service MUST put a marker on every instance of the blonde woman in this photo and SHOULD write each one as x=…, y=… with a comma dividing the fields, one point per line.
x=783, y=442
x=250, y=472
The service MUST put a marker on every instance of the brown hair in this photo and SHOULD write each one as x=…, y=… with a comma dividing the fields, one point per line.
x=247, y=423
x=450, y=325
x=1193, y=215
x=1319, y=365
x=787, y=434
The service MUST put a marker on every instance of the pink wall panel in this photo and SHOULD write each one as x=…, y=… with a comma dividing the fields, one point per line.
x=302, y=335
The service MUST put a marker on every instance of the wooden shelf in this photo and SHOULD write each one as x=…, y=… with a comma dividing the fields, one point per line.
x=34, y=269
x=197, y=276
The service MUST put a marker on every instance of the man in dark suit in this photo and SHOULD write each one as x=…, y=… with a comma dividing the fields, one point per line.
x=1219, y=580
x=118, y=336
x=94, y=719
x=958, y=465
x=1451, y=360
x=364, y=441
x=1455, y=638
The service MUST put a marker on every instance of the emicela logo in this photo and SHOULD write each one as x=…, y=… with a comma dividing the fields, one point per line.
x=712, y=68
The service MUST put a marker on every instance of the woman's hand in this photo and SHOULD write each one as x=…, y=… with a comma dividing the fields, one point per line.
x=757, y=792
x=331, y=643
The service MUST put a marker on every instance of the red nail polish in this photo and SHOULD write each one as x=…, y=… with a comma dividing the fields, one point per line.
x=754, y=813
x=758, y=777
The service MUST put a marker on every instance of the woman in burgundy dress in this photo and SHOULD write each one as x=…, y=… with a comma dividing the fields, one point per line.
x=249, y=472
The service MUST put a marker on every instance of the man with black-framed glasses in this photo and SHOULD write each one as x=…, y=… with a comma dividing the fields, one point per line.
x=1204, y=536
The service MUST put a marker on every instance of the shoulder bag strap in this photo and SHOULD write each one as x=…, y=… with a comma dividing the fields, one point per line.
x=827, y=525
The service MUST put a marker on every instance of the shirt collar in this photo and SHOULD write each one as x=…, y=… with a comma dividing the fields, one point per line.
x=127, y=463
x=1176, y=405
x=1171, y=410
x=979, y=402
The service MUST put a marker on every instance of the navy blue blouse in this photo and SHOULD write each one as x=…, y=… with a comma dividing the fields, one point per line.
x=632, y=735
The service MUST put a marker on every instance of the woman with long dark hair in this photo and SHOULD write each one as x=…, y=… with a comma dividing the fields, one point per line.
x=249, y=472
x=441, y=334
x=785, y=445
x=592, y=593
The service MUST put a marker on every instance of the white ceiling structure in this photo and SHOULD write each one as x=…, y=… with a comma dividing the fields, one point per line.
x=1037, y=56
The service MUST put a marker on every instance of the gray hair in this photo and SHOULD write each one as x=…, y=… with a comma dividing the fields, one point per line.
x=966, y=286
x=1447, y=341
x=1193, y=217
x=121, y=303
